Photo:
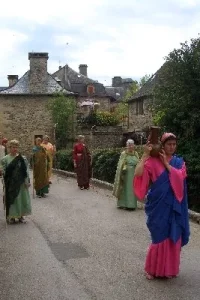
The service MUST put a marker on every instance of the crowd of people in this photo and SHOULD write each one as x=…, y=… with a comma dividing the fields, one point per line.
x=14, y=170
x=159, y=182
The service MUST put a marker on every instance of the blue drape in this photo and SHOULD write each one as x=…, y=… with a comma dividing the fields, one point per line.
x=166, y=216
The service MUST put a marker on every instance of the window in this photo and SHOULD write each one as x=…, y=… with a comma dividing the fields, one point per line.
x=140, y=107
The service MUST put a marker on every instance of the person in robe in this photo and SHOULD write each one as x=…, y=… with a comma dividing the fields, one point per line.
x=2, y=152
x=16, y=183
x=40, y=162
x=166, y=207
x=124, y=177
x=82, y=163
x=3, y=142
x=51, y=150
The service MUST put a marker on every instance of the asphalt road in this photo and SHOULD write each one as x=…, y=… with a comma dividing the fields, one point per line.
x=77, y=245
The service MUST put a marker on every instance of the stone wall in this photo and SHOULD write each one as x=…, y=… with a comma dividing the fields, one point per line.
x=24, y=117
x=102, y=137
x=140, y=121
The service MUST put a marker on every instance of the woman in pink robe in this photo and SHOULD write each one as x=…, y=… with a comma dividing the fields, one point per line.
x=166, y=207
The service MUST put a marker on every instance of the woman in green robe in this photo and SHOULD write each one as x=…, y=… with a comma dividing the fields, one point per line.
x=16, y=183
x=40, y=161
x=123, y=184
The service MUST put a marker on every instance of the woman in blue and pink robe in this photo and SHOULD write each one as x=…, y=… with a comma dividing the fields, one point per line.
x=163, y=181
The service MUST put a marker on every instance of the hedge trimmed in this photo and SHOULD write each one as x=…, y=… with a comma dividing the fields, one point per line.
x=104, y=162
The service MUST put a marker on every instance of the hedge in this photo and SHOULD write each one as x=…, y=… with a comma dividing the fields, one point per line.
x=104, y=162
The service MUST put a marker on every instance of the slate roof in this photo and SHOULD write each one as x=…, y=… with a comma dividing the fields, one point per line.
x=147, y=89
x=22, y=86
x=77, y=82
x=115, y=92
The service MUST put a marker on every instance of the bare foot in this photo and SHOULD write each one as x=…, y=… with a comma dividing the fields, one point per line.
x=149, y=277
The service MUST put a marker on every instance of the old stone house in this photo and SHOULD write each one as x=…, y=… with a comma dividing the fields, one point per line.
x=23, y=105
x=86, y=89
x=139, y=106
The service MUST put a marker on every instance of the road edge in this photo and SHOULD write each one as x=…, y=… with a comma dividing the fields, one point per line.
x=106, y=185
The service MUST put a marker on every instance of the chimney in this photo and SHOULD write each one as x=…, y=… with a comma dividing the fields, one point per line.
x=117, y=81
x=83, y=69
x=38, y=72
x=12, y=79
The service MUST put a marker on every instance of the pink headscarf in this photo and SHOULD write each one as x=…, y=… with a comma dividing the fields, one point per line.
x=166, y=135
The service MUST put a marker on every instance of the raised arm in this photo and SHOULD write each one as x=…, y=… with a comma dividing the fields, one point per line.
x=74, y=154
x=142, y=175
x=140, y=166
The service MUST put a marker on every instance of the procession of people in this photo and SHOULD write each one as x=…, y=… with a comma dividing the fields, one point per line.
x=157, y=180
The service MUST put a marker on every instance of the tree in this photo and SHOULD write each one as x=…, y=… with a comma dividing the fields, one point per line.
x=62, y=109
x=177, y=107
x=144, y=79
x=131, y=90
x=177, y=93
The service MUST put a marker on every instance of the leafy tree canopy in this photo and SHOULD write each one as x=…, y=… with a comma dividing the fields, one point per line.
x=177, y=94
x=62, y=109
x=177, y=108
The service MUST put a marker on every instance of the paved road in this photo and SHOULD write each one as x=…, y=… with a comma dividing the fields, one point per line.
x=78, y=246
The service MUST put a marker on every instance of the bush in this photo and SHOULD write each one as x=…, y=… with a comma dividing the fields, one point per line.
x=64, y=161
x=190, y=152
x=104, y=162
x=101, y=118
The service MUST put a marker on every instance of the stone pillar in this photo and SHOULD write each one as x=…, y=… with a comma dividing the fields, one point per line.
x=83, y=69
x=12, y=79
x=38, y=72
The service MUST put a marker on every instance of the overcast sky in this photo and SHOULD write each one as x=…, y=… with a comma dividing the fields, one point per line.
x=128, y=38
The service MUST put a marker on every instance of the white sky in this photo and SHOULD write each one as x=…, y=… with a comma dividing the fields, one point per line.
x=128, y=38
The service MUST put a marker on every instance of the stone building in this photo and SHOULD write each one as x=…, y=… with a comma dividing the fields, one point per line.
x=140, y=115
x=119, y=88
x=84, y=87
x=23, y=105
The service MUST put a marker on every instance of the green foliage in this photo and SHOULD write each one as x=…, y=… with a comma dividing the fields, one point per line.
x=64, y=160
x=144, y=79
x=62, y=110
x=134, y=87
x=177, y=107
x=101, y=118
x=122, y=109
x=178, y=92
x=104, y=162
x=158, y=116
